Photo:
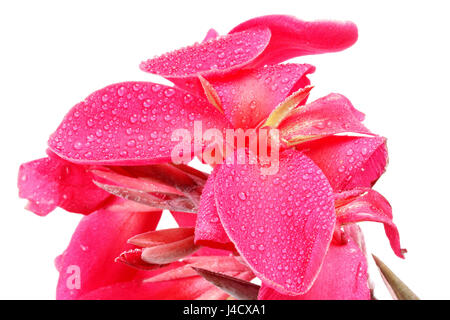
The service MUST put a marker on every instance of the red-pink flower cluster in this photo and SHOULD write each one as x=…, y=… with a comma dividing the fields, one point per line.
x=110, y=159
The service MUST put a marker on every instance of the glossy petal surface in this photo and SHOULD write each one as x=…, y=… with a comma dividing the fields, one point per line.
x=98, y=240
x=249, y=96
x=326, y=116
x=280, y=224
x=349, y=162
x=208, y=229
x=292, y=37
x=130, y=123
x=216, y=56
x=343, y=277
x=371, y=206
x=52, y=182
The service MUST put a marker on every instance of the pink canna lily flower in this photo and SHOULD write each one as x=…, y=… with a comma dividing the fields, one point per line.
x=111, y=159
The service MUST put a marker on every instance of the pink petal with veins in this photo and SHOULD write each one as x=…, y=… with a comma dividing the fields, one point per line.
x=52, y=182
x=208, y=228
x=161, y=237
x=343, y=277
x=98, y=240
x=130, y=123
x=133, y=258
x=349, y=162
x=223, y=264
x=122, y=205
x=147, y=184
x=249, y=96
x=326, y=116
x=215, y=57
x=292, y=37
x=371, y=206
x=281, y=224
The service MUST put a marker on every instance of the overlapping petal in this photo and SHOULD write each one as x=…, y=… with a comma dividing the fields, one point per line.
x=130, y=123
x=291, y=37
x=281, y=224
x=52, y=182
x=326, y=116
x=371, y=206
x=184, y=219
x=214, y=57
x=349, y=162
x=193, y=288
x=343, y=277
x=98, y=240
x=208, y=229
x=180, y=282
x=249, y=96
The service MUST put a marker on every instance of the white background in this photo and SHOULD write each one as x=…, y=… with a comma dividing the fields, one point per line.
x=54, y=53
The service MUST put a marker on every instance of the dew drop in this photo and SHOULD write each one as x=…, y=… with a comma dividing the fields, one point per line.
x=242, y=196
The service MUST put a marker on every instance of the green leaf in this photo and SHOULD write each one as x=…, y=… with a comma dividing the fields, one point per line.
x=239, y=289
x=399, y=290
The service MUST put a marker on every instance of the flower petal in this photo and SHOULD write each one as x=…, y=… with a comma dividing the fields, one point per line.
x=53, y=182
x=98, y=240
x=177, y=203
x=349, y=162
x=249, y=96
x=237, y=288
x=292, y=37
x=208, y=229
x=371, y=206
x=217, y=56
x=343, y=277
x=171, y=252
x=326, y=116
x=184, y=219
x=161, y=237
x=130, y=123
x=133, y=258
x=181, y=289
x=224, y=264
x=281, y=224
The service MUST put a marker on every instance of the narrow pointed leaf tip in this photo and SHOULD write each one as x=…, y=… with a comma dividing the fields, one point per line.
x=237, y=288
x=398, y=288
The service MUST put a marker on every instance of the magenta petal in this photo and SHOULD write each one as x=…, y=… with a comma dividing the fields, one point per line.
x=281, y=224
x=184, y=219
x=349, y=162
x=343, y=277
x=292, y=37
x=179, y=289
x=371, y=206
x=53, y=182
x=326, y=116
x=130, y=123
x=218, y=56
x=248, y=97
x=208, y=229
x=98, y=240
